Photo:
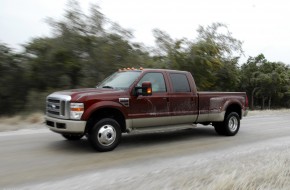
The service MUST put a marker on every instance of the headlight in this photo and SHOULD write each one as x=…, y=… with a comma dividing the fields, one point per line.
x=76, y=110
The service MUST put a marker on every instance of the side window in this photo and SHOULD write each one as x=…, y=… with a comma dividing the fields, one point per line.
x=179, y=82
x=157, y=81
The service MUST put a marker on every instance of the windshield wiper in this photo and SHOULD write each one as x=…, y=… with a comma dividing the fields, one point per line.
x=108, y=87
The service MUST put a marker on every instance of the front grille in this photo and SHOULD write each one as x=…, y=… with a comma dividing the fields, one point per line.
x=53, y=106
x=57, y=106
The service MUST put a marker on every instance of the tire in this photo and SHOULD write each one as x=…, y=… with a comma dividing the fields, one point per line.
x=230, y=126
x=72, y=137
x=105, y=135
x=219, y=129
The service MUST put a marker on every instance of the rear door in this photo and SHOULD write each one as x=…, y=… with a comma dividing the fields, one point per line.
x=183, y=100
x=151, y=110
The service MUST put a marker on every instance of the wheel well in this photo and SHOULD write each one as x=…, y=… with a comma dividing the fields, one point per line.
x=234, y=108
x=106, y=113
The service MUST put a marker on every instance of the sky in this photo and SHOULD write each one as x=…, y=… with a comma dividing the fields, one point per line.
x=262, y=25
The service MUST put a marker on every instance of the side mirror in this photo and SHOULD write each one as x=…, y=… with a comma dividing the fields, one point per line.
x=145, y=90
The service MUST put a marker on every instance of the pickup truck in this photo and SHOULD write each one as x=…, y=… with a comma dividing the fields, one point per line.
x=138, y=100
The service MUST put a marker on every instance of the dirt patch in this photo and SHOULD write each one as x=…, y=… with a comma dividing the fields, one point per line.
x=21, y=122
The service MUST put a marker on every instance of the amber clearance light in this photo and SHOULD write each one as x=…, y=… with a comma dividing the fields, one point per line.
x=149, y=90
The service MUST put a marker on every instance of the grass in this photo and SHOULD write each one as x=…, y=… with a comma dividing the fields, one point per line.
x=261, y=170
x=267, y=112
x=21, y=122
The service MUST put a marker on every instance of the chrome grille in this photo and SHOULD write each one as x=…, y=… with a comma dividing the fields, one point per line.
x=57, y=106
x=54, y=106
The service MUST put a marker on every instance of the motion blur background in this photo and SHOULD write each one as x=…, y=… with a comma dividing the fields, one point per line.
x=84, y=47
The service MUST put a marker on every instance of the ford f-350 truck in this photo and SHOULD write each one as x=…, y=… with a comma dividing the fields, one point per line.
x=141, y=99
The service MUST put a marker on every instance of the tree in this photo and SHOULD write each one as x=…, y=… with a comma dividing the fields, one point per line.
x=83, y=50
x=265, y=81
x=13, y=81
x=249, y=74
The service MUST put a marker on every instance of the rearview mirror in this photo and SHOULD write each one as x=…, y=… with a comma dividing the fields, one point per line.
x=145, y=90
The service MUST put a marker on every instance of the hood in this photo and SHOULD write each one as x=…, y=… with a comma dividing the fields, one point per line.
x=83, y=93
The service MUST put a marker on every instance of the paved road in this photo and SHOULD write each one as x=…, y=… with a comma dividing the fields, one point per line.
x=40, y=159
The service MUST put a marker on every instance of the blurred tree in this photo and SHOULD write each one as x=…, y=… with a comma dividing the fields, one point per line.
x=13, y=82
x=212, y=55
x=249, y=73
x=228, y=76
x=273, y=81
x=265, y=81
x=208, y=58
x=83, y=50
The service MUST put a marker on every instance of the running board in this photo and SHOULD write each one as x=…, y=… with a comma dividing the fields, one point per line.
x=166, y=128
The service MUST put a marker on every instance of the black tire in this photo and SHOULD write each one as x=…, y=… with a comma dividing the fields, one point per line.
x=72, y=137
x=219, y=129
x=230, y=126
x=105, y=135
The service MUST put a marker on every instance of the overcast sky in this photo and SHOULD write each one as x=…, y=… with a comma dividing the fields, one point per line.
x=263, y=25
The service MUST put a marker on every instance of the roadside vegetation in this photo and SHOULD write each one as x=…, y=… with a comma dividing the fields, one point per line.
x=19, y=122
x=85, y=48
x=265, y=169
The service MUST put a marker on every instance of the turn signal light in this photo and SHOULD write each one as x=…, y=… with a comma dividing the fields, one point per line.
x=77, y=109
x=149, y=91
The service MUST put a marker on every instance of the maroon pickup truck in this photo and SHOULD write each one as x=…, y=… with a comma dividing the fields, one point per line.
x=141, y=99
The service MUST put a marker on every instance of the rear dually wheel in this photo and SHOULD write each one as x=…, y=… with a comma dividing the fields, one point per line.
x=230, y=126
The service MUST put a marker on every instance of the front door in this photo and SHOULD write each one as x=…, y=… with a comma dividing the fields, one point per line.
x=153, y=110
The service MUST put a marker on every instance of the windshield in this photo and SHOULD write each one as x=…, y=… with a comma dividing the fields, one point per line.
x=120, y=80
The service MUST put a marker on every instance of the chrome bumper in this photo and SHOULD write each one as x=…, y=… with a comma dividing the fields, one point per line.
x=65, y=126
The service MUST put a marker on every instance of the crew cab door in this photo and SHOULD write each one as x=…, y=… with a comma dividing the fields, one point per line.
x=183, y=99
x=151, y=110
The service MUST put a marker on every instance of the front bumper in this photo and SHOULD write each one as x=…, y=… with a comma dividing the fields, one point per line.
x=65, y=126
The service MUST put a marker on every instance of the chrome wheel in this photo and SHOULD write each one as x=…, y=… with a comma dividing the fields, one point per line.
x=106, y=135
x=233, y=124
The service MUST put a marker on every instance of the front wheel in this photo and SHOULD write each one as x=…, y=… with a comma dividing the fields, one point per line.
x=105, y=135
x=230, y=126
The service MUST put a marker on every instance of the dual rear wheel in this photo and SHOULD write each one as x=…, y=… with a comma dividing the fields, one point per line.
x=230, y=126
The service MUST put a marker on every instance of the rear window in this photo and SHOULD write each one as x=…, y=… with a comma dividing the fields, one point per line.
x=179, y=82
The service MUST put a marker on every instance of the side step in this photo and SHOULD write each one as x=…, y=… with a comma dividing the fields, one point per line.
x=166, y=128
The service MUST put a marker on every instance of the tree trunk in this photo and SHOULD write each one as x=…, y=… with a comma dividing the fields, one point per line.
x=252, y=97
x=269, y=102
x=263, y=103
